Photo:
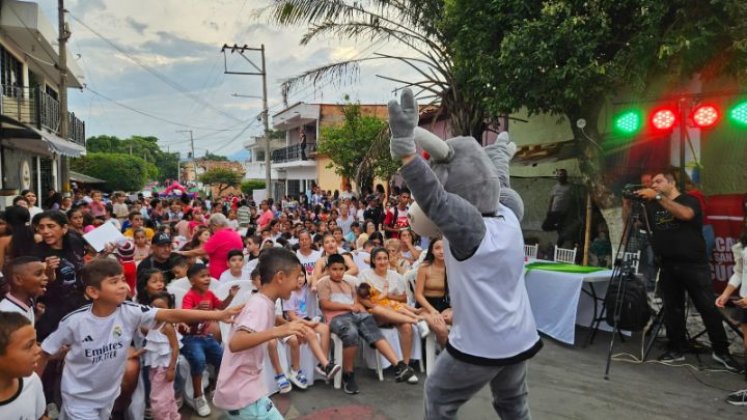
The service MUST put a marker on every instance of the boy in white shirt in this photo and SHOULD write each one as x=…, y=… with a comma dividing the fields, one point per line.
x=21, y=394
x=235, y=270
x=28, y=281
x=98, y=336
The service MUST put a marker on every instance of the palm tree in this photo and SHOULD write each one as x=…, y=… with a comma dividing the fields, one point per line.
x=414, y=24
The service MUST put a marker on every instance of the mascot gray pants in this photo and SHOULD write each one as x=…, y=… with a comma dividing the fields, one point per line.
x=453, y=382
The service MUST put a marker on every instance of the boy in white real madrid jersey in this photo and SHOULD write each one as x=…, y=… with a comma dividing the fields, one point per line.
x=99, y=335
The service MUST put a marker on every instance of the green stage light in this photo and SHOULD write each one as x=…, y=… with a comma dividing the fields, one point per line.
x=627, y=123
x=738, y=114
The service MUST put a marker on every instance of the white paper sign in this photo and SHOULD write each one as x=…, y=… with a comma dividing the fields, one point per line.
x=102, y=235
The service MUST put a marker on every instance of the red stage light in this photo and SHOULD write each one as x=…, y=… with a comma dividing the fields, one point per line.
x=705, y=116
x=664, y=119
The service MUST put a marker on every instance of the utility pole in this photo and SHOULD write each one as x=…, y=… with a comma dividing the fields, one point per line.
x=261, y=70
x=192, y=143
x=64, y=35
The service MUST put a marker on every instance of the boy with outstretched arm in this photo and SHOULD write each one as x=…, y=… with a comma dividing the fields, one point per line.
x=240, y=391
x=98, y=336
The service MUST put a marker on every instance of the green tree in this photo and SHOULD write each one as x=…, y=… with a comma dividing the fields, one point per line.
x=354, y=147
x=210, y=156
x=248, y=186
x=570, y=57
x=222, y=178
x=145, y=147
x=120, y=171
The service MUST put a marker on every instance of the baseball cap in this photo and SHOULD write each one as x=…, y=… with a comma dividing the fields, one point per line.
x=161, y=239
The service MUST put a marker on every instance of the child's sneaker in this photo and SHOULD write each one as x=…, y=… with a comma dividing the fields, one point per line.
x=423, y=328
x=320, y=369
x=348, y=383
x=331, y=370
x=405, y=373
x=283, y=384
x=298, y=379
x=201, y=406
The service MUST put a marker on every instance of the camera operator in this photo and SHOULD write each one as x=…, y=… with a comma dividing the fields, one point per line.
x=677, y=239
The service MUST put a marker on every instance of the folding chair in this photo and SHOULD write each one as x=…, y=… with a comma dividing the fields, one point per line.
x=531, y=250
x=565, y=255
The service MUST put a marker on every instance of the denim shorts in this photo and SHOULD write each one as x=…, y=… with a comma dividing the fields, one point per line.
x=351, y=325
x=200, y=350
x=262, y=409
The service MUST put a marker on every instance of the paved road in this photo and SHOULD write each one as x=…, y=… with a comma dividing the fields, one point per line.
x=565, y=383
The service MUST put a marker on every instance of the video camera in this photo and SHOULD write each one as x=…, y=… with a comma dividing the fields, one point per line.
x=629, y=190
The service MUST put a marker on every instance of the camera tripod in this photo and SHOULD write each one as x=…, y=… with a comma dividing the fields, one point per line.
x=623, y=271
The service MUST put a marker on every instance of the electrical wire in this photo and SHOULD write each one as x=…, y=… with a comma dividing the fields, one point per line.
x=158, y=75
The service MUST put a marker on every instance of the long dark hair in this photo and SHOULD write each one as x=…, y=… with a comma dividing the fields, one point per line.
x=375, y=251
x=429, y=256
x=22, y=235
x=142, y=281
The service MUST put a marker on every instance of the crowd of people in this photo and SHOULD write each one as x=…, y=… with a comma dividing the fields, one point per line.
x=108, y=322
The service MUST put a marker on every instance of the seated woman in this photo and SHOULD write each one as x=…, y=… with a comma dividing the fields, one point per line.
x=388, y=300
x=329, y=247
x=432, y=290
x=410, y=250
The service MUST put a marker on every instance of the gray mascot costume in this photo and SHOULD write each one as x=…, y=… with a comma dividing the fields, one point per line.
x=464, y=191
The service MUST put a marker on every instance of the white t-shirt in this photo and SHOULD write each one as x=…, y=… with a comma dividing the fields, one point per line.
x=393, y=279
x=28, y=403
x=95, y=363
x=12, y=304
x=308, y=261
x=228, y=277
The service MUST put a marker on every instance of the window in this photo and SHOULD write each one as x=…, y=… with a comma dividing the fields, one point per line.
x=12, y=73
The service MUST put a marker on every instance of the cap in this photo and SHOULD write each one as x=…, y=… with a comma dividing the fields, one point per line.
x=161, y=239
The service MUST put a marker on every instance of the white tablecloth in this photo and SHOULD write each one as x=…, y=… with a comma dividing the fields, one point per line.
x=558, y=303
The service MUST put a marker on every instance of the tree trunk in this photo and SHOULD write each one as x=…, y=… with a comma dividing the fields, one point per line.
x=593, y=172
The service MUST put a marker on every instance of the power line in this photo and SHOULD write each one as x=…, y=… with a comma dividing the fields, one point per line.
x=156, y=73
x=145, y=114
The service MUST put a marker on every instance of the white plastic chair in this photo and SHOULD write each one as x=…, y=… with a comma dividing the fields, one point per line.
x=337, y=357
x=531, y=250
x=183, y=283
x=565, y=255
x=178, y=296
x=430, y=352
x=245, y=290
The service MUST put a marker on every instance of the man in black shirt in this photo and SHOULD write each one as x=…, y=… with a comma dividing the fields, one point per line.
x=678, y=242
x=161, y=257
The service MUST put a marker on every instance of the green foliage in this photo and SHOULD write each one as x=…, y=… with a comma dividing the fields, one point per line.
x=353, y=146
x=210, y=156
x=166, y=165
x=120, y=171
x=248, y=186
x=223, y=178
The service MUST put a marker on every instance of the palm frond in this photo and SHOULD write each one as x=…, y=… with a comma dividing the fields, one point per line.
x=340, y=72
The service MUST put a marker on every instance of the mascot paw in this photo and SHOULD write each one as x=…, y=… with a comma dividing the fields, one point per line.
x=403, y=118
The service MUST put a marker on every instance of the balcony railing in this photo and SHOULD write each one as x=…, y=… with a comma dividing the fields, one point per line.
x=36, y=107
x=292, y=153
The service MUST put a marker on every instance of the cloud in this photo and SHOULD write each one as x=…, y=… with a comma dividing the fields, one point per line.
x=136, y=26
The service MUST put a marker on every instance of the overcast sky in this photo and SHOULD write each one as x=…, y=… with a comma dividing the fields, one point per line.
x=180, y=40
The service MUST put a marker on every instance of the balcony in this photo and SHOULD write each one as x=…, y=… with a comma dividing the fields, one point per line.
x=35, y=107
x=292, y=153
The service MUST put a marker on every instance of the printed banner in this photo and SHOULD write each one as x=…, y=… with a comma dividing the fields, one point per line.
x=726, y=214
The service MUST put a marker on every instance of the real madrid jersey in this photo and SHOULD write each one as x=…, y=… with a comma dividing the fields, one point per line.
x=95, y=363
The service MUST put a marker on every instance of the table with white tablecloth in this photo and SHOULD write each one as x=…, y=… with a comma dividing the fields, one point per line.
x=561, y=300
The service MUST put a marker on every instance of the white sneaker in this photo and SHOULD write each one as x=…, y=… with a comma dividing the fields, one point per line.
x=202, y=407
x=298, y=379
x=412, y=379
x=423, y=328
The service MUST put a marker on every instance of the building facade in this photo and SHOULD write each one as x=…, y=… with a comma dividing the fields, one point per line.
x=32, y=150
x=298, y=165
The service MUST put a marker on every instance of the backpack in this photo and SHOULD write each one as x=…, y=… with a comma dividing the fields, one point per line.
x=635, y=311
